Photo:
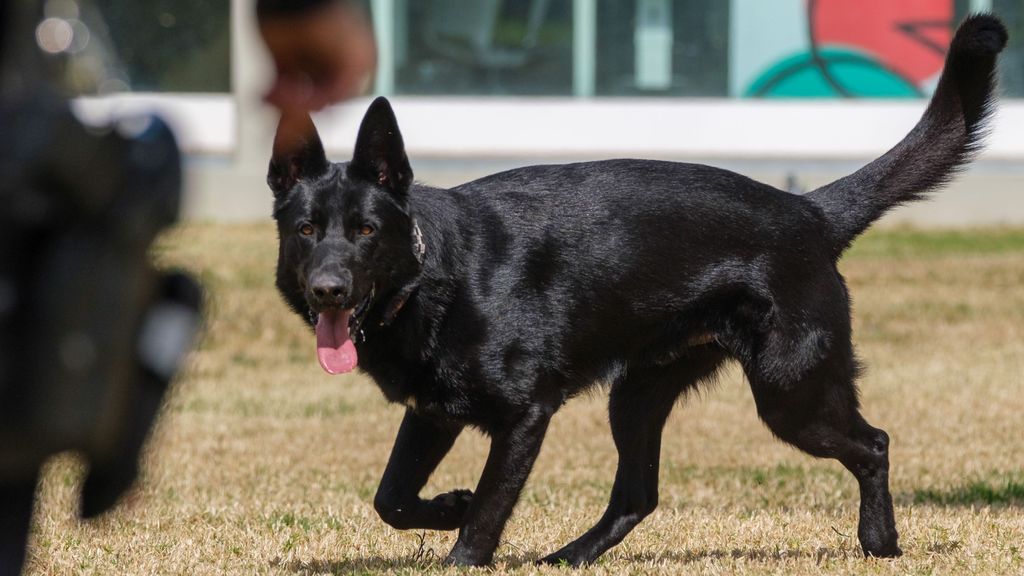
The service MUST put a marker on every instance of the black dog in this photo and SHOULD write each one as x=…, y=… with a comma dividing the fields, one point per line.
x=493, y=303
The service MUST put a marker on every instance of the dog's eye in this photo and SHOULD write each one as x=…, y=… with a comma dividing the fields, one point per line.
x=306, y=229
x=366, y=230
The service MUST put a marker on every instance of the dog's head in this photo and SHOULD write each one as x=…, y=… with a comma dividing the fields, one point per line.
x=346, y=235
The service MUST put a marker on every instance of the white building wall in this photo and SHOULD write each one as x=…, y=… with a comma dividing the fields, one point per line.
x=227, y=138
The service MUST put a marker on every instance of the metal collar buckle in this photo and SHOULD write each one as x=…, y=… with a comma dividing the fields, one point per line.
x=419, y=247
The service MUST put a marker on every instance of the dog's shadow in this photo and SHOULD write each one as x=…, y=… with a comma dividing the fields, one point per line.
x=418, y=563
x=426, y=558
x=371, y=564
x=764, y=555
x=374, y=564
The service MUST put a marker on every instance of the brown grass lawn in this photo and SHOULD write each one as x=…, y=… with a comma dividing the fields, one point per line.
x=262, y=464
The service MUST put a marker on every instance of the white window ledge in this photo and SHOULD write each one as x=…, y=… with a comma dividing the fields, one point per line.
x=203, y=123
x=489, y=127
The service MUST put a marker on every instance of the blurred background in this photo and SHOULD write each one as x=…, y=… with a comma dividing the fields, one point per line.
x=792, y=92
x=262, y=465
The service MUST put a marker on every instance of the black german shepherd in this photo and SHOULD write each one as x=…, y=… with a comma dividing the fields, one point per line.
x=493, y=303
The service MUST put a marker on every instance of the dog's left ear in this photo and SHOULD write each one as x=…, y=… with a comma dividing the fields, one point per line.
x=298, y=153
x=380, y=152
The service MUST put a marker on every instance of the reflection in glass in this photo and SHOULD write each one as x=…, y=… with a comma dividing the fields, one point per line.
x=125, y=45
x=484, y=47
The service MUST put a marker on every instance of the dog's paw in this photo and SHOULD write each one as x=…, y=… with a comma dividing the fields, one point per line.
x=450, y=508
x=568, y=557
x=456, y=500
x=462, y=556
x=562, y=559
x=880, y=542
x=889, y=551
x=555, y=560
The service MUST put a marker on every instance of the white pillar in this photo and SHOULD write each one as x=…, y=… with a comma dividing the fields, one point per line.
x=383, y=14
x=980, y=6
x=584, y=47
x=235, y=188
x=251, y=73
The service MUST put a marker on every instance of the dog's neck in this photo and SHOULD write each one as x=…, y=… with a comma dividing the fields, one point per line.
x=402, y=294
x=419, y=301
x=398, y=301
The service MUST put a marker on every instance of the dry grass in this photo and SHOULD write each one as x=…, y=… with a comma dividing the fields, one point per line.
x=262, y=464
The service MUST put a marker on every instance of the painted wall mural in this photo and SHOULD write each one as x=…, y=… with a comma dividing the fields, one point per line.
x=838, y=48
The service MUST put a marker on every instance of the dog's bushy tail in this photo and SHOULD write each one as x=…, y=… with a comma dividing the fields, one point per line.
x=946, y=138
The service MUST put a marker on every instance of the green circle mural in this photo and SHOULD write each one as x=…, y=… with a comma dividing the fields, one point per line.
x=800, y=76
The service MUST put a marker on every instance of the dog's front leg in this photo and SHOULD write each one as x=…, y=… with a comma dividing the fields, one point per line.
x=419, y=448
x=513, y=452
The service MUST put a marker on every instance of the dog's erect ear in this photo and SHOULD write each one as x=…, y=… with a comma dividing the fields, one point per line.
x=298, y=153
x=380, y=153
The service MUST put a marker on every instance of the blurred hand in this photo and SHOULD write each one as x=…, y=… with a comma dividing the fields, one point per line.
x=322, y=55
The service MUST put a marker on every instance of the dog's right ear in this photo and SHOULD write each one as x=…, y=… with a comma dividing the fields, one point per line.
x=379, y=155
x=298, y=153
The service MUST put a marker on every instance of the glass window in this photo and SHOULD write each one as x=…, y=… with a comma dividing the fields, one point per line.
x=662, y=47
x=170, y=45
x=154, y=46
x=1012, y=61
x=686, y=48
x=483, y=47
x=689, y=48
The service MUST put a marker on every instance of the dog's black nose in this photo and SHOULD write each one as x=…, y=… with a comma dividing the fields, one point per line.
x=329, y=290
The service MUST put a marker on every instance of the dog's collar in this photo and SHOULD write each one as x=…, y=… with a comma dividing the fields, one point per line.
x=419, y=250
x=398, y=302
x=355, y=323
x=419, y=247
x=358, y=318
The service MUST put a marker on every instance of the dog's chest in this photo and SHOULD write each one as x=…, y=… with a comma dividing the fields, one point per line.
x=437, y=397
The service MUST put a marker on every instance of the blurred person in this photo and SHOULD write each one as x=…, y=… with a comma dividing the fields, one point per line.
x=90, y=333
x=323, y=51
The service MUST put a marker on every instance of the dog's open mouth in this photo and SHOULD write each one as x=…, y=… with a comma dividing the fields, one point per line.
x=334, y=347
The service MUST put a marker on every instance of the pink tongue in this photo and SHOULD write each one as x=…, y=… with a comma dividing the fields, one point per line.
x=334, y=349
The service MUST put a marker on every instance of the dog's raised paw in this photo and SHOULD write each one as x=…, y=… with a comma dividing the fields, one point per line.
x=564, y=557
x=450, y=508
x=454, y=499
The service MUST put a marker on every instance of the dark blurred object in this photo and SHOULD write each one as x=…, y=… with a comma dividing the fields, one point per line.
x=90, y=333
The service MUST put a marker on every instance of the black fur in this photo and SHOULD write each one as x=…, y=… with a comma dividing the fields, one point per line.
x=538, y=282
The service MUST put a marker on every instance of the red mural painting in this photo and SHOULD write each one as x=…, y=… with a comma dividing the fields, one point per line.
x=909, y=37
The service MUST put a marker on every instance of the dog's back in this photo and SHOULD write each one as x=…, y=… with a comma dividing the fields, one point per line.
x=597, y=257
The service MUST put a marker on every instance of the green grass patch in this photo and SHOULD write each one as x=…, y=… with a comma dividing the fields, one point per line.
x=906, y=243
x=974, y=493
x=281, y=520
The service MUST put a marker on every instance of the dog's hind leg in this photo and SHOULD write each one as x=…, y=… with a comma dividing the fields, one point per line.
x=819, y=414
x=419, y=448
x=640, y=403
